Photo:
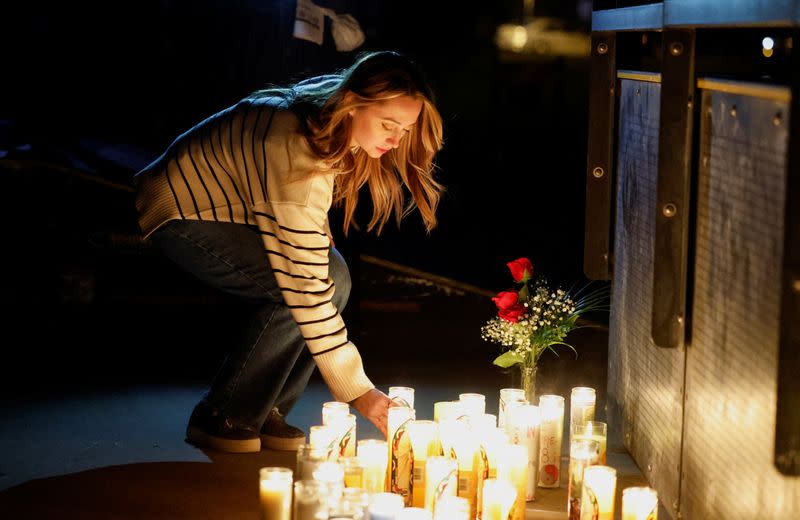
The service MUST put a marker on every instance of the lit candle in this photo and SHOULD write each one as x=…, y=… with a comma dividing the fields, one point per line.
x=524, y=423
x=483, y=422
x=506, y=396
x=402, y=395
x=510, y=407
x=595, y=431
x=597, y=497
x=512, y=466
x=581, y=406
x=467, y=451
x=499, y=496
x=310, y=500
x=372, y=454
x=551, y=432
x=400, y=461
x=443, y=410
x=414, y=513
x=441, y=479
x=344, y=428
x=385, y=506
x=639, y=503
x=424, y=442
x=491, y=439
x=276, y=493
x=353, y=472
x=472, y=405
x=582, y=454
x=331, y=474
x=323, y=438
x=452, y=508
x=334, y=409
x=308, y=458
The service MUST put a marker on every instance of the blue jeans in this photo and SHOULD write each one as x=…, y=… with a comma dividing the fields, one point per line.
x=268, y=364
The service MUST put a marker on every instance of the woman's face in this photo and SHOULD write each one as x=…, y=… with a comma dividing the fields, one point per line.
x=379, y=126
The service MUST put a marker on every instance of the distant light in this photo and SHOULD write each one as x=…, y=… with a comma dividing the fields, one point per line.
x=767, y=52
x=512, y=37
x=768, y=43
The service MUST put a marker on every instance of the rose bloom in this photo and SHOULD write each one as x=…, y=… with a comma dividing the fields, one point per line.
x=521, y=269
x=508, y=306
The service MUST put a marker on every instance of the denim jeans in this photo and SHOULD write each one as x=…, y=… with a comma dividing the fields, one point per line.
x=268, y=363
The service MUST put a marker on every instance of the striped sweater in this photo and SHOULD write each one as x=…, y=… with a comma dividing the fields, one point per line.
x=249, y=164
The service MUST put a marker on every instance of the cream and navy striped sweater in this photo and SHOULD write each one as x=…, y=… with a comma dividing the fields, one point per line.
x=249, y=164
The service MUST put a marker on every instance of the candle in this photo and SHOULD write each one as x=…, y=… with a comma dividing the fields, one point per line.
x=400, y=462
x=596, y=431
x=441, y=479
x=310, y=500
x=276, y=493
x=506, y=396
x=483, y=422
x=353, y=472
x=414, y=513
x=491, y=439
x=512, y=466
x=424, y=442
x=639, y=503
x=551, y=431
x=402, y=395
x=308, y=458
x=372, y=455
x=323, y=438
x=443, y=410
x=581, y=407
x=385, y=506
x=499, y=497
x=353, y=504
x=472, y=405
x=334, y=409
x=344, y=428
x=467, y=451
x=510, y=407
x=524, y=423
x=452, y=508
x=582, y=453
x=449, y=431
x=597, y=497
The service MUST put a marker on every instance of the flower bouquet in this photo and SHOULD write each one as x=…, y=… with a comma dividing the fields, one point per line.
x=535, y=318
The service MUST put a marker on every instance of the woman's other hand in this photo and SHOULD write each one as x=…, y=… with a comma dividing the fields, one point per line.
x=374, y=405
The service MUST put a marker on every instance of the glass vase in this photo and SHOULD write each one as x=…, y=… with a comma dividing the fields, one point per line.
x=527, y=375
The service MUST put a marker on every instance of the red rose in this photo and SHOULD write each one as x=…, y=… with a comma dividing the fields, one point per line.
x=521, y=269
x=509, y=307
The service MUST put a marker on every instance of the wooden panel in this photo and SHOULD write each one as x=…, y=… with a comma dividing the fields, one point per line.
x=645, y=383
x=729, y=424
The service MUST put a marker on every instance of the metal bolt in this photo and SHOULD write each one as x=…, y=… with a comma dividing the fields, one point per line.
x=777, y=119
x=638, y=91
x=676, y=49
x=705, y=160
x=602, y=48
x=689, y=105
x=598, y=172
x=680, y=320
x=796, y=285
x=669, y=210
x=733, y=111
x=649, y=468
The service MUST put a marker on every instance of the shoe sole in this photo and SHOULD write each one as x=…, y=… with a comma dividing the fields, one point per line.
x=269, y=442
x=203, y=440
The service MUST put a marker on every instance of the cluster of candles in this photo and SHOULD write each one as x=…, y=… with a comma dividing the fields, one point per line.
x=465, y=464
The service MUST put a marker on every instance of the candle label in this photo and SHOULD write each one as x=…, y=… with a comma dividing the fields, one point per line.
x=590, y=507
x=444, y=487
x=418, y=484
x=482, y=465
x=575, y=486
x=402, y=464
x=346, y=440
x=550, y=454
x=468, y=488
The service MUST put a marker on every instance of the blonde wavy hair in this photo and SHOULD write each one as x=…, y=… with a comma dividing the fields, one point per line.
x=323, y=104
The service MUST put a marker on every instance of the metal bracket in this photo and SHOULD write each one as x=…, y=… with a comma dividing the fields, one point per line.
x=674, y=188
x=599, y=175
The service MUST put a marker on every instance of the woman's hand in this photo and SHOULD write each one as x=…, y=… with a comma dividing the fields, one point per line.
x=374, y=405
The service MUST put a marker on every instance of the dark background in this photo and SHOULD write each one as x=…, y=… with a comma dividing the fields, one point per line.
x=93, y=91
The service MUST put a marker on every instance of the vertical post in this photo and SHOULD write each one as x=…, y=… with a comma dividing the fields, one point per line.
x=674, y=188
x=787, y=425
x=599, y=179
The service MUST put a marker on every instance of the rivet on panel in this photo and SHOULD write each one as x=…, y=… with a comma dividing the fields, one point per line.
x=602, y=48
x=638, y=91
x=669, y=210
x=733, y=111
x=796, y=285
x=777, y=119
x=676, y=49
x=705, y=160
x=679, y=319
x=598, y=172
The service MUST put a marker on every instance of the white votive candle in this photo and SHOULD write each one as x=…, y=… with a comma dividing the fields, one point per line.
x=506, y=396
x=424, y=441
x=344, y=428
x=443, y=410
x=441, y=479
x=512, y=466
x=333, y=409
x=524, y=424
x=399, y=451
x=597, y=497
x=467, y=450
x=276, y=493
x=385, y=506
x=310, y=500
x=323, y=438
x=372, y=455
x=551, y=432
x=414, y=513
x=595, y=431
x=581, y=407
x=582, y=454
x=452, y=508
x=402, y=395
x=499, y=497
x=472, y=404
x=639, y=503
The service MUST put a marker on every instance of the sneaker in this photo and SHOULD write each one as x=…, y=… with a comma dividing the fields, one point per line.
x=277, y=435
x=208, y=429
